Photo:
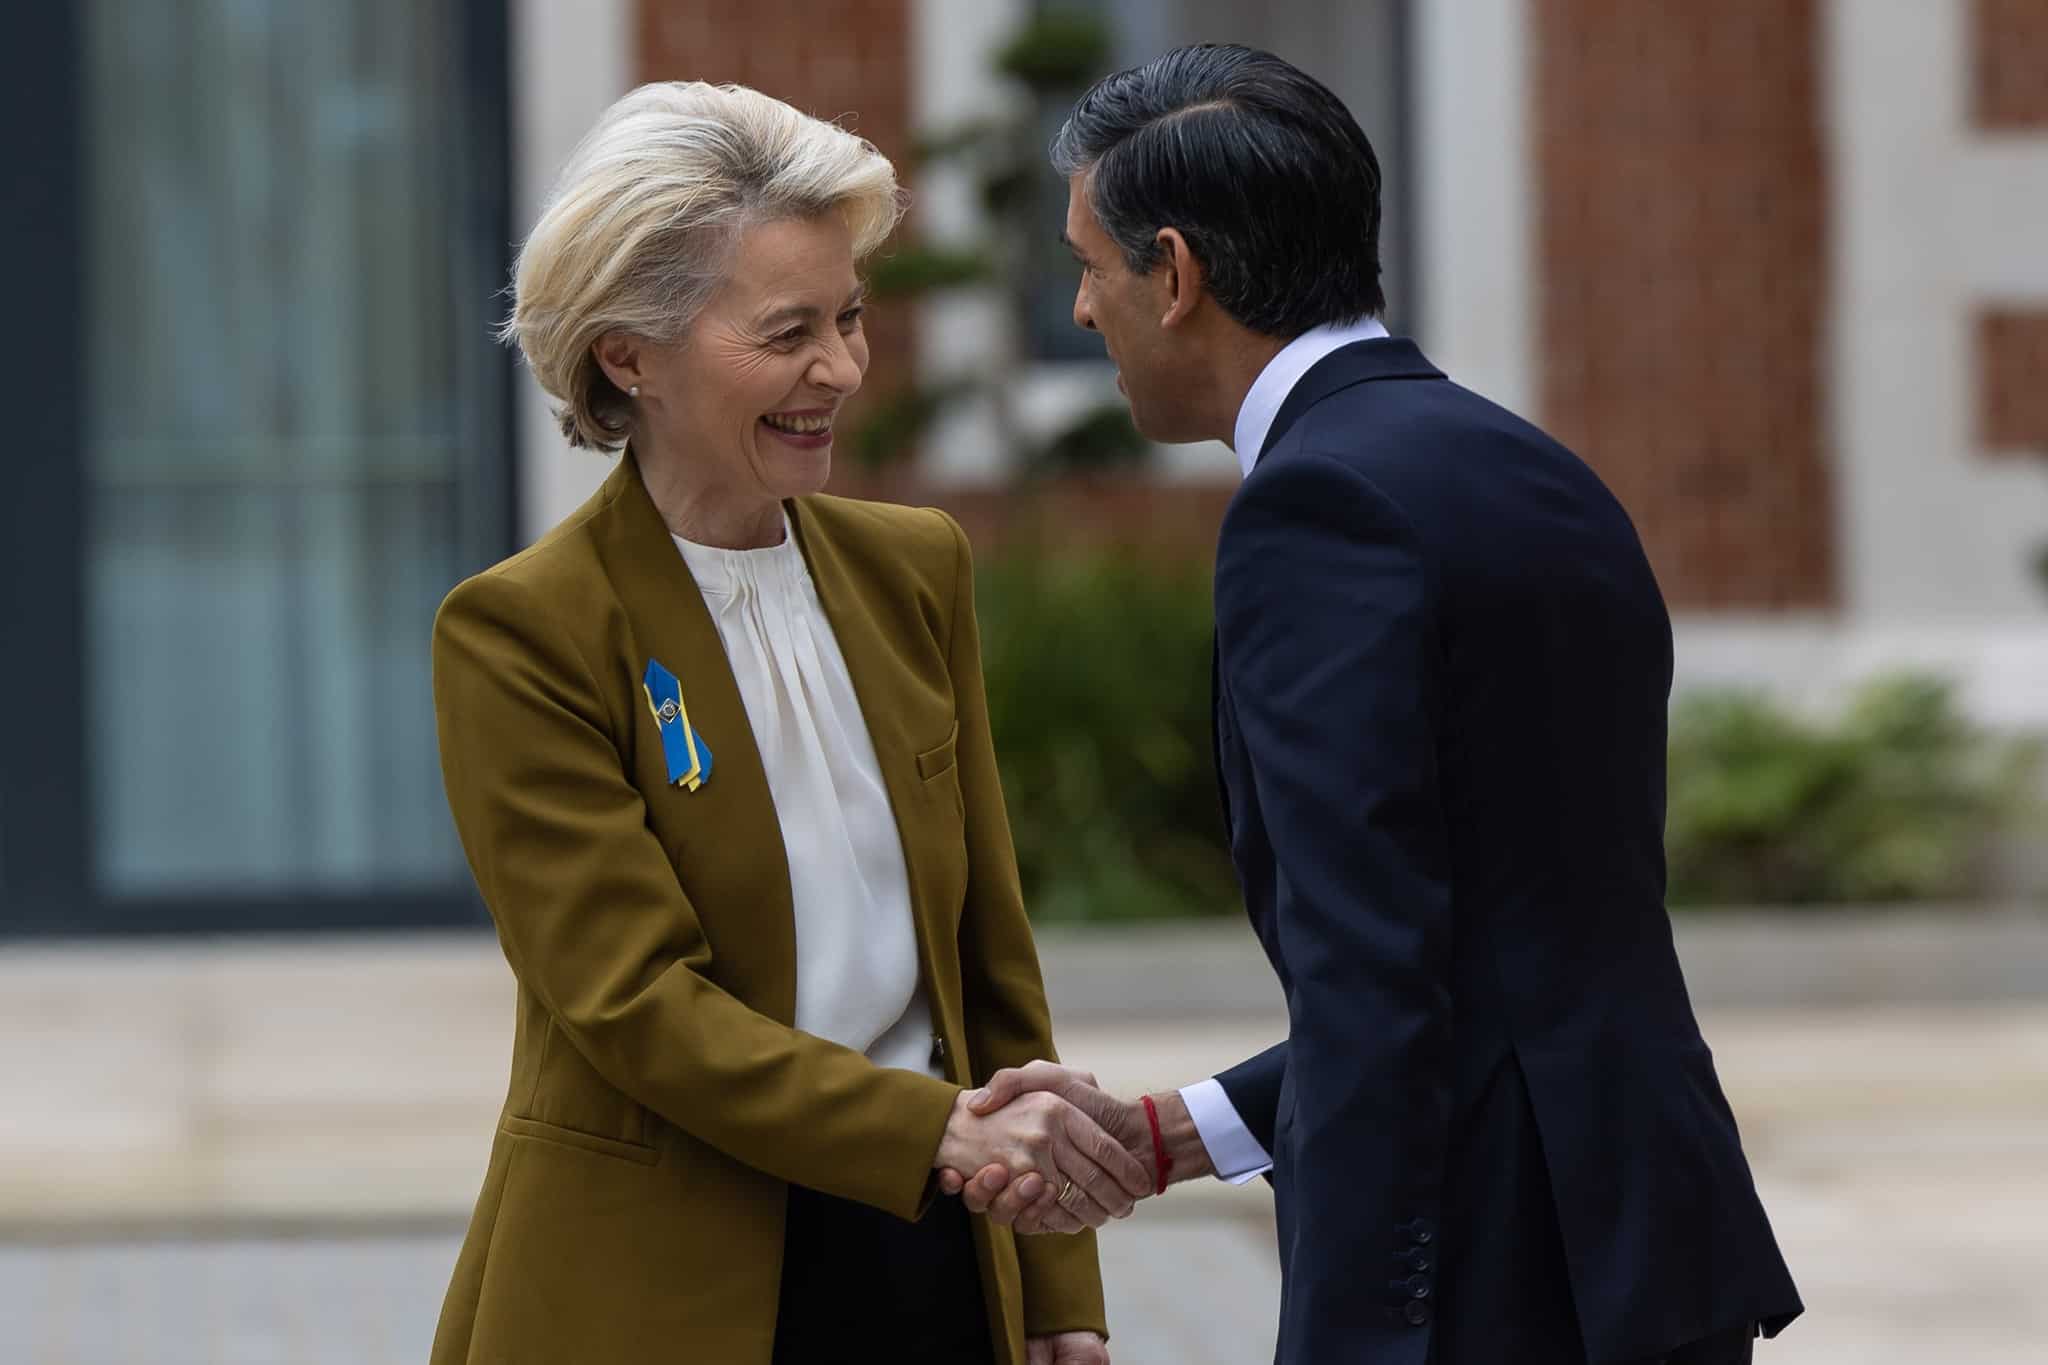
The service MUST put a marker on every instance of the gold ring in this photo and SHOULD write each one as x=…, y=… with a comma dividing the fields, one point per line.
x=1065, y=1190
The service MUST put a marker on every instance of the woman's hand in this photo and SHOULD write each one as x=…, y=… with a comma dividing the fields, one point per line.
x=1067, y=1348
x=1095, y=1178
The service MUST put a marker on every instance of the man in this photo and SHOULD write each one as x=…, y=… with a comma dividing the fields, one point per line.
x=1442, y=672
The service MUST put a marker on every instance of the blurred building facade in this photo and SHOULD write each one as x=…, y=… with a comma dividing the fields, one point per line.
x=1773, y=266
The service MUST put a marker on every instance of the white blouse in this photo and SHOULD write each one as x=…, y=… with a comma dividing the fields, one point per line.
x=857, y=979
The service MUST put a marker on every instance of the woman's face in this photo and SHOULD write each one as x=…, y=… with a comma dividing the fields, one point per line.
x=746, y=401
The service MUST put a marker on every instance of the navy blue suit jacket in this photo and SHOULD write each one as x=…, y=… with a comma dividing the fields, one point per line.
x=1443, y=667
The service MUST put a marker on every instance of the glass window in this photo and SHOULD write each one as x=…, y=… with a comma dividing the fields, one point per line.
x=293, y=440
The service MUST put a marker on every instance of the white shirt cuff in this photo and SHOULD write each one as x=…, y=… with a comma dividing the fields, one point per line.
x=1233, y=1151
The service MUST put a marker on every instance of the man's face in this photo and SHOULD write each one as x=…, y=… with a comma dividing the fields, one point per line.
x=1126, y=308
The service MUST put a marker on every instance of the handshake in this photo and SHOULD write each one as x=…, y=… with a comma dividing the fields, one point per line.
x=1042, y=1148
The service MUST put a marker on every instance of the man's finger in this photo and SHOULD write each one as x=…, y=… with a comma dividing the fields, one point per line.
x=1012, y=1081
x=951, y=1181
x=1058, y=1222
x=1104, y=1153
x=1070, y=1188
x=1094, y=1186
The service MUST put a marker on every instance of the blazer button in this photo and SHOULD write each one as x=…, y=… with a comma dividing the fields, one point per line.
x=1418, y=1260
x=1420, y=1232
x=938, y=1050
x=1418, y=1286
x=1416, y=1313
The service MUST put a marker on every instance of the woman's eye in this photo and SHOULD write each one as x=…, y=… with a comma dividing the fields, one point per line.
x=851, y=316
x=789, y=338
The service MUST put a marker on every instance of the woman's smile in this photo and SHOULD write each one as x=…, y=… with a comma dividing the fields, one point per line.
x=807, y=430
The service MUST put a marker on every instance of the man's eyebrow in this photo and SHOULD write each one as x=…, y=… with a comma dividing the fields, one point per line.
x=1073, y=249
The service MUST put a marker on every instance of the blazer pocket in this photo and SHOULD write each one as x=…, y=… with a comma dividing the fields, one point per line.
x=637, y=1152
x=938, y=761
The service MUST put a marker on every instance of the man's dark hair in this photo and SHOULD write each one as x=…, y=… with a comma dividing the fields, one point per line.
x=1256, y=163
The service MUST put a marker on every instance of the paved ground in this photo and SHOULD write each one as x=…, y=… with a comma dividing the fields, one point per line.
x=208, y=1161
x=372, y=1300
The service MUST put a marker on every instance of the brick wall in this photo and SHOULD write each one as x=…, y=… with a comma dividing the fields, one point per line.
x=1680, y=258
x=847, y=61
x=2009, y=50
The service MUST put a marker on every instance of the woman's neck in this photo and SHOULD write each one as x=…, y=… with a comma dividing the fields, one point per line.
x=724, y=518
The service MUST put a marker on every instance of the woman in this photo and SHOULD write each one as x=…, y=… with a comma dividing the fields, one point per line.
x=719, y=755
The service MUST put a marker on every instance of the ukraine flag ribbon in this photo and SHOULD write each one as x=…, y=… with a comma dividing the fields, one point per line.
x=688, y=756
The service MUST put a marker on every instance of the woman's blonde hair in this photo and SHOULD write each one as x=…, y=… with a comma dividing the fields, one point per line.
x=640, y=229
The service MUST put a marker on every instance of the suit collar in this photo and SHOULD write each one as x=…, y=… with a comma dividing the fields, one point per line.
x=1358, y=363
x=1285, y=370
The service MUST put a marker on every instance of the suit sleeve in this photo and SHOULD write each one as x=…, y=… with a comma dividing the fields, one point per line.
x=1327, y=627
x=594, y=923
x=1253, y=1086
x=1008, y=1021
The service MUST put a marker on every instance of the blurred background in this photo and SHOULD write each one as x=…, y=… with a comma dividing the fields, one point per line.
x=1776, y=268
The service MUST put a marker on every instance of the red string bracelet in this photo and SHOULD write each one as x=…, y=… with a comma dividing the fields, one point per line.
x=1160, y=1160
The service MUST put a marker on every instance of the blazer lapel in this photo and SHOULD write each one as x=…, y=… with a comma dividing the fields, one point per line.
x=724, y=838
x=860, y=620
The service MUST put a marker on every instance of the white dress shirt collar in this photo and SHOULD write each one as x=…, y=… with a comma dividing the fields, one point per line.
x=1283, y=372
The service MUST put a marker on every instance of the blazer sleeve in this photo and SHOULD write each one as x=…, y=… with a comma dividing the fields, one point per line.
x=594, y=923
x=1002, y=991
x=1327, y=624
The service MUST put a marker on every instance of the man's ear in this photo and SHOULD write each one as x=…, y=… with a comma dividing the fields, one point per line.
x=620, y=355
x=1186, y=281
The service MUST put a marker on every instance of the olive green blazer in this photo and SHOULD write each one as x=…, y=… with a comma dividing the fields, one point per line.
x=660, y=1099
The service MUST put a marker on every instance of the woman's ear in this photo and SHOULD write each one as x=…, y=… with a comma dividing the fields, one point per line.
x=620, y=356
x=1185, y=279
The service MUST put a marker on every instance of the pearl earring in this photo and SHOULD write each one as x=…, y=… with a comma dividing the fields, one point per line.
x=633, y=392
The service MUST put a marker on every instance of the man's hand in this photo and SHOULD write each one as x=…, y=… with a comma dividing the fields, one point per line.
x=1020, y=1199
x=1087, y=1176
x=1066, y=1348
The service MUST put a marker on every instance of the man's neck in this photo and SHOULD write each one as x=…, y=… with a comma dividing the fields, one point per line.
x=1241, y=363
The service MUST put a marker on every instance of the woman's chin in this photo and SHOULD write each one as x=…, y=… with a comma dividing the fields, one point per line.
x=798, y=476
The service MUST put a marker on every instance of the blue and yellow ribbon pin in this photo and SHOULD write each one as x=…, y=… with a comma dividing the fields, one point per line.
x=688, y=756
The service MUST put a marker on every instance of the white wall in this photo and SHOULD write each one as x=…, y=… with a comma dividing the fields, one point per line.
x=569, y=62
x=1475, y=247
x=951, y=85
x=1929, y=220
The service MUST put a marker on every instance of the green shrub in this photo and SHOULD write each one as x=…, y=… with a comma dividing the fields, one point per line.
x=1899, y=798
x=1098, y=689
x=1098, y=683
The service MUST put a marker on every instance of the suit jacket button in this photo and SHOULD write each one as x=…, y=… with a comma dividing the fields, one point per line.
x=1416, y=1313
x=1418, y=1260
x=938, y=1050
x=1420, y=1232
x=1418, y=1286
